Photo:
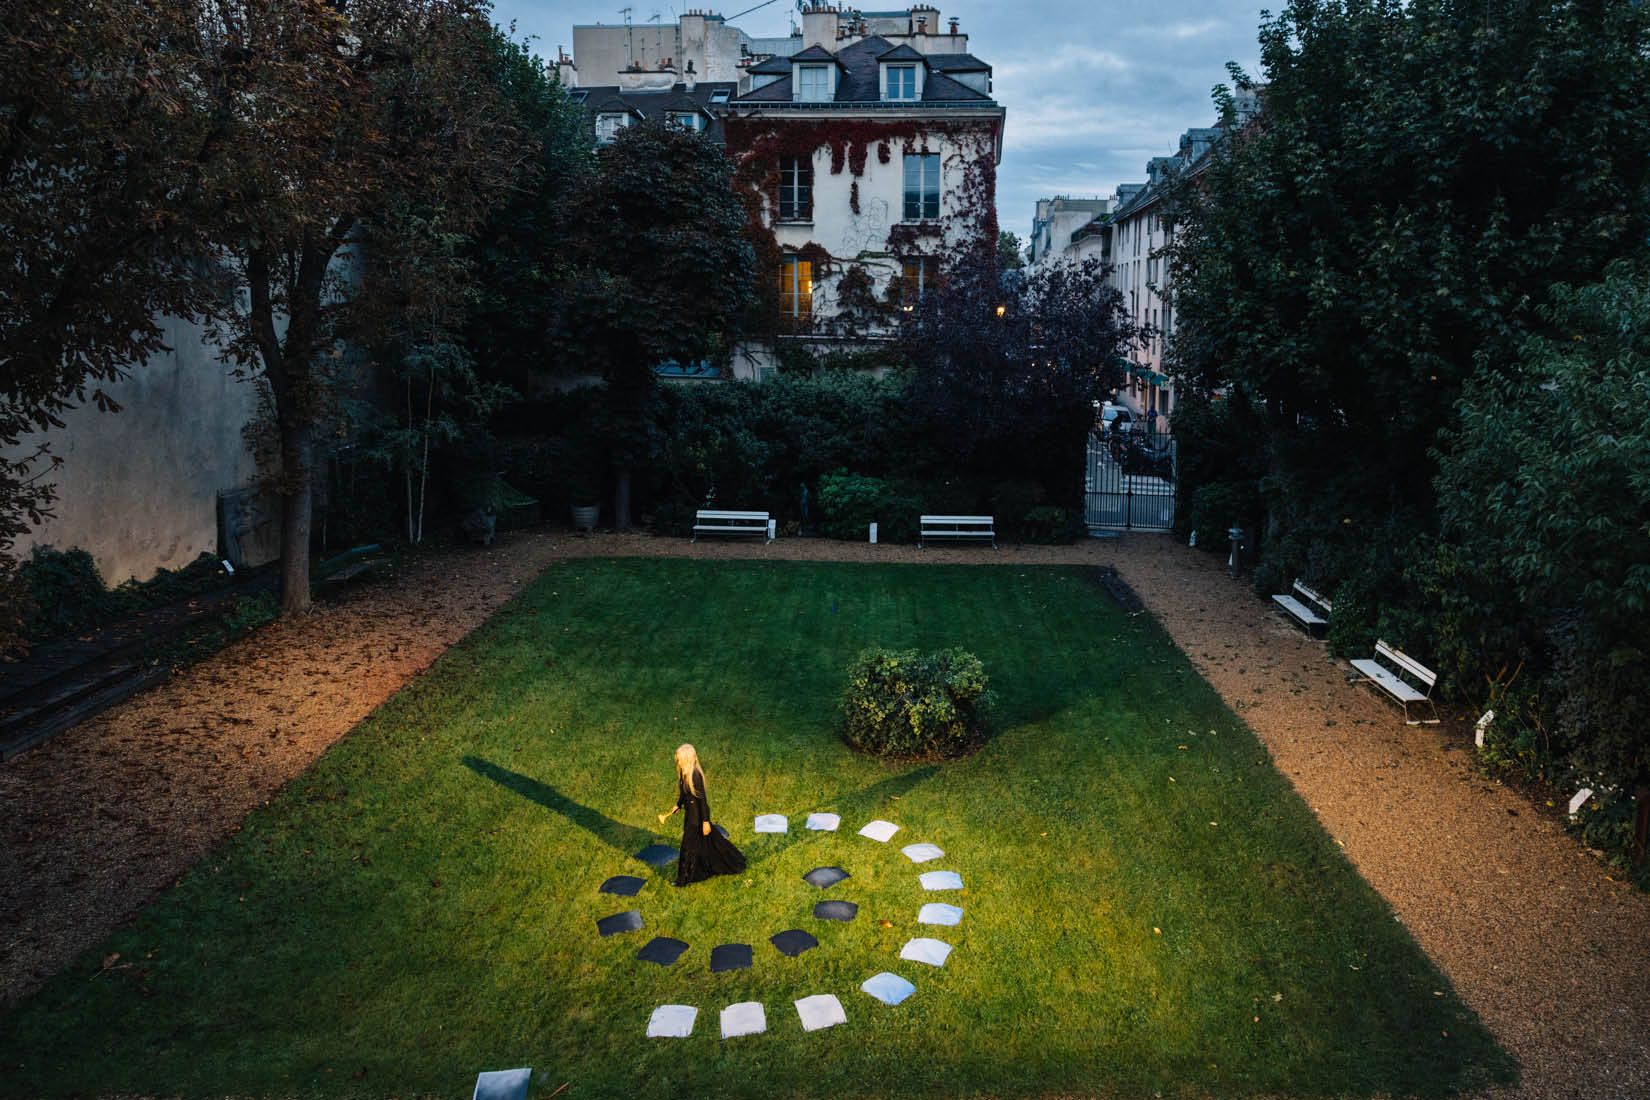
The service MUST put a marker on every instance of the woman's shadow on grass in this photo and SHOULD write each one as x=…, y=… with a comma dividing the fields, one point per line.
x=629, y=840
x=615, y=834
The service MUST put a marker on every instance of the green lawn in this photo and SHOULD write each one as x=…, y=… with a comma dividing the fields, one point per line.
x=1149, y=908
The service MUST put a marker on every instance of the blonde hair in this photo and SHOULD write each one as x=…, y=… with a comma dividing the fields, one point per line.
x=687, y=762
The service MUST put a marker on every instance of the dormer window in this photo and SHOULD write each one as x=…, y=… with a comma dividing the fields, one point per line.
x=608, y=126
x=901, y=82
x=813, y=83
x=687, y=120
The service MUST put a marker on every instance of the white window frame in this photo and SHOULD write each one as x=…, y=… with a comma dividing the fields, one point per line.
x=928, y=189
x=909, y=88
x=796, y=270
x=608, y=125
x=819, y=85
x=801, y=205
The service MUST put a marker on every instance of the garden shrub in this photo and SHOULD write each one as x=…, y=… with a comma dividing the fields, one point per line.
x=907, y=704
x=65, y=592
x=1047, y=524
x=849, y=503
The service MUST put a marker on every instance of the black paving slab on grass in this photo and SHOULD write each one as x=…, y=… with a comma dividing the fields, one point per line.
x=626, y=886
x=628, y=921
x=825, y=877
x=836, y=910
x=730, y=956
x=792, y=942
x=662, y=950
x=656, y=855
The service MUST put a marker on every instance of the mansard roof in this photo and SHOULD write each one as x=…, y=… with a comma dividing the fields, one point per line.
x=860, y=81
x=957, y=63
x=773, y=66
x=655, y=105
x=815, y=52
x=902, y=52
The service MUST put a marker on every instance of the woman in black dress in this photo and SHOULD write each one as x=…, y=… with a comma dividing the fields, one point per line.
x=705, y=852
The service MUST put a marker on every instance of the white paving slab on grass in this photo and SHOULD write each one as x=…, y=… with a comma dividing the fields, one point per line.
x=880, y=831
x=502, y=1084
x=772, y=823
x=941, y=880
x=925, y=950
x=824, y=823
x=820, y=1010
x=939, y=913
x=888, y=988
x=921, y=853
x=744, y=1018
x=672, y=1022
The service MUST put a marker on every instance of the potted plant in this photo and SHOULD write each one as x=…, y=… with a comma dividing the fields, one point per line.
x=583, y=493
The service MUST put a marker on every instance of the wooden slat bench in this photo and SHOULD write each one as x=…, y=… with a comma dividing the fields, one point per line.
x=1305, y=610
x=957, y=527
x=711, y=522
x=1393, y=683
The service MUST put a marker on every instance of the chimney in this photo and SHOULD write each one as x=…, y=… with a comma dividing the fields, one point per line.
x=566, y=72
x=689, y=79
x=819, y=26
x=953, y=24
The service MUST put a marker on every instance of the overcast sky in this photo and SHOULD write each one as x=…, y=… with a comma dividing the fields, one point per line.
x=1093, y=90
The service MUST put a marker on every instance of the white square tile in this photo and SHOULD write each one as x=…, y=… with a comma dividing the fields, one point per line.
x=888, y=988
x=938, y=913
x=825, y=823
x=772, y=823
x=820, y=1010
x=880, y=831
x=502, y=1084
x=672, y=1022
x=924, y=950
x=744, y=1018
x=921, y=853
x=941, y=880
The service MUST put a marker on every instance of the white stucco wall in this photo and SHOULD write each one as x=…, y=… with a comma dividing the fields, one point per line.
x=138, y=488
x=863, y=237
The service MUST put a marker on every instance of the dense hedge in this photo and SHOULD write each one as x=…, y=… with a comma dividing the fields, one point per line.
x=907, y=704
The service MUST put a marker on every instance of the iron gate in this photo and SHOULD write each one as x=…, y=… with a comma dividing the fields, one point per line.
x=1130, y=482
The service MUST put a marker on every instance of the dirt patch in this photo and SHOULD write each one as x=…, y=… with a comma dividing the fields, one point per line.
x=1551, y=953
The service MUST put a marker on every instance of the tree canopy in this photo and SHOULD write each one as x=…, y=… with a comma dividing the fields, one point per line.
x=659, y=268
x=1012, y=368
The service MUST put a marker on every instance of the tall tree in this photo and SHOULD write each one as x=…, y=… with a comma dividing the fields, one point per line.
x=378, y=106
x=1009, y=253
x=1011, y=369
x=516, y=253
x=660, y=270
x=101, y=199
x=1421, y=170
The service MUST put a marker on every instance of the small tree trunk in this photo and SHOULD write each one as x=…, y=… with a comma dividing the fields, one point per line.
x=621, y=500
x=296, y=450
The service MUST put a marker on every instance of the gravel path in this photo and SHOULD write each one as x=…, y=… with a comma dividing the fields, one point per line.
x=1551, y=953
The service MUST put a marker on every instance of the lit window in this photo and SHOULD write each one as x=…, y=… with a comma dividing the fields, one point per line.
x=902, y=82
x=608, y=127
x=919, y=277
x=813, y=83
x=922, y=186
x=687, y=120
x=796, y=188
x=796, y=287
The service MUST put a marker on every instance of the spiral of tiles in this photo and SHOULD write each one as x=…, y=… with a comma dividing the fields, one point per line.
x=821, y=1010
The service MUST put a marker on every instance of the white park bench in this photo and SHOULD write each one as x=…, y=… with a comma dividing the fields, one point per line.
x=1310, y=610
x=956, y=527
x=710, y=522
x=1394, y=684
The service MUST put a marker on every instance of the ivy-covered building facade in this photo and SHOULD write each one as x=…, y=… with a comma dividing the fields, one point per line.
x=869, y=163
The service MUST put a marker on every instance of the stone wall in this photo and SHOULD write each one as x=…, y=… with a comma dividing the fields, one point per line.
x=139, y=489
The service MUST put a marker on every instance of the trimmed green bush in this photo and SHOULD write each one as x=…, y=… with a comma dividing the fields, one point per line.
x=850, y=503
x=907, y=704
